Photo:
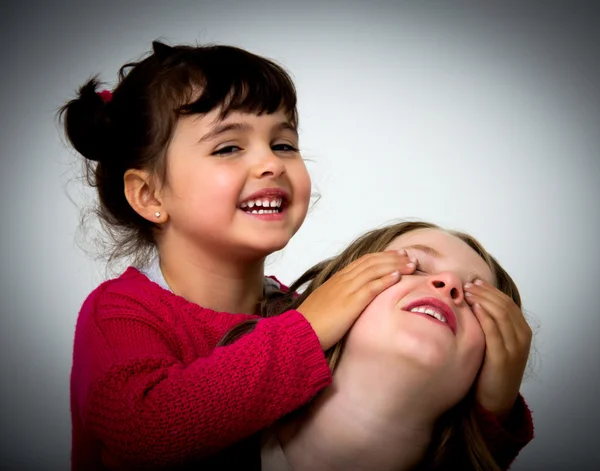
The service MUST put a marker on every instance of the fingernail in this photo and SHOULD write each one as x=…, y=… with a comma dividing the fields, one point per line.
x=413, y=259
x=395, y=273
x=410, y=264
x=402, y=252
x=467, y=295
x=478, y=282
x=468, y=285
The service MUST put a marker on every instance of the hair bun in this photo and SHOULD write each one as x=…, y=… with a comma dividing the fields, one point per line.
x=86, y=121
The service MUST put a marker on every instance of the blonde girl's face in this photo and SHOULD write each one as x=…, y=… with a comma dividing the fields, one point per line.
x=236, y=186
x=424, y=318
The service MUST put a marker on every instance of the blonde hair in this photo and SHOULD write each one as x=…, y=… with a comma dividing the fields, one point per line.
x=457, y=440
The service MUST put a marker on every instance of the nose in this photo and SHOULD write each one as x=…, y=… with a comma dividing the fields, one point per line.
x=269, y=165
x=449, y=284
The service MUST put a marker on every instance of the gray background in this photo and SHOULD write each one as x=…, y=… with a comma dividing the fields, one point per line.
x=481, y=116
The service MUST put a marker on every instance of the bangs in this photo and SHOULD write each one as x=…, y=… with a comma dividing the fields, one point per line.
x=231, y=79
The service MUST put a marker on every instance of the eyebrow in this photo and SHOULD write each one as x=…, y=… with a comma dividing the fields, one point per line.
x=426, y=249
x=243, y=127
x=434, y=253
x=222, y=129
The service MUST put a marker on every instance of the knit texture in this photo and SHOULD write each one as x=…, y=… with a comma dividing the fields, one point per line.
x=505, y=440
x=149, y=389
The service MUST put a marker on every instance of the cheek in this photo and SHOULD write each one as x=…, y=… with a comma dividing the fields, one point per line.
x=365, y=334
x=365, y=331
x=477, y=336
x=224, y=182
x=203, y=190
x=210, y=185
x=475, y=346
x=300, y=178
x=381, y=323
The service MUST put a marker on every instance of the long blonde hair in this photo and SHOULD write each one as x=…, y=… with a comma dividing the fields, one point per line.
x=457, y=442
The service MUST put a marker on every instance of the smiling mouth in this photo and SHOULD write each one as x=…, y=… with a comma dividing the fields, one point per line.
x=435, y=309
x=264, y=205
x=432, y=312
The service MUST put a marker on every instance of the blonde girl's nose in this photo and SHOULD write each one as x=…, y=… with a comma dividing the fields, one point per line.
x=449, y=284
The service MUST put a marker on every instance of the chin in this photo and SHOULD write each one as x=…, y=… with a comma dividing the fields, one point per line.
x=429, y=345
x=429, y=357
x=265, y=248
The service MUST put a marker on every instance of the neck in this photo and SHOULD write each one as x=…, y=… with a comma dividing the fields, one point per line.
x=363, y=421
x=213, y=280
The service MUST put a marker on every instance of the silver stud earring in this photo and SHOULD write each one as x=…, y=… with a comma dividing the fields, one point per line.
x=157, y=214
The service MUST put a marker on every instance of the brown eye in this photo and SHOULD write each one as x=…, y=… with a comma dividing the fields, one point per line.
x=284, y=148
x=227, y=150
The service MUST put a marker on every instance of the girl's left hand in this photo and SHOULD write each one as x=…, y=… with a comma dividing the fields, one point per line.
x=508, y=340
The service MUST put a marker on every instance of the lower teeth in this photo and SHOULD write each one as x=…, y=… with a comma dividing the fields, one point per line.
x=264, y=211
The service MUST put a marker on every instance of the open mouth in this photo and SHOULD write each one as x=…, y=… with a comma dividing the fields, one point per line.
x=436, y=310
x=432, y=312
x=264, y=205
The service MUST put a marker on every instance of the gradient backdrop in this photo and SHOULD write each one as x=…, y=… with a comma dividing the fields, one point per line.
x=478, y=116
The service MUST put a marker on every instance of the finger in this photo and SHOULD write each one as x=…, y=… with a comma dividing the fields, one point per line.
x=486, y=291
x=407, y=263
x=502, y=322
x=386, y=254
x=494, y=341
x=505, y=306
x=502, y=300
x=371, y=289
x=410, y=262
x=396, y=260
x=369, y=272
x=504, y=310
x=516, y=338
x=499, y=309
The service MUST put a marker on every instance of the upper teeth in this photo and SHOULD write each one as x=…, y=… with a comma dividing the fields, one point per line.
x=263, y=202
x=430, y=312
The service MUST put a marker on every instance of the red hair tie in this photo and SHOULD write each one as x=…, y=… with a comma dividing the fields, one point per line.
x=106, y=95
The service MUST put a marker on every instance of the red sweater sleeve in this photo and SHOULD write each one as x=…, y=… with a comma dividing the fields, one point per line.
x=505, y=440
x=149, y=409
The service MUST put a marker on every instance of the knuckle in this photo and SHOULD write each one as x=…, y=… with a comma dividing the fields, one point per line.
x=374, y=287
x=375, y=255
x=507, y=303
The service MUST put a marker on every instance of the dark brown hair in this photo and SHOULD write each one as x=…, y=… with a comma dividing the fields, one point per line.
x=457, y=442
x=133, y=129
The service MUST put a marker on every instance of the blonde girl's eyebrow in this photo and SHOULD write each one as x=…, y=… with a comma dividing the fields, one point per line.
x=434, y=253
x=425, y=249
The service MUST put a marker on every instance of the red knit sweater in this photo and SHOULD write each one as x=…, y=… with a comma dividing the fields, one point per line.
x=149, y=389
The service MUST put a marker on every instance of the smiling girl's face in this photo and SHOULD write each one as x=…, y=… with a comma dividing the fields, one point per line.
x=424, y=319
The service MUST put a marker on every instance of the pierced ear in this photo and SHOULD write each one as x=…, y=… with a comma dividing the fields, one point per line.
x=142, y=194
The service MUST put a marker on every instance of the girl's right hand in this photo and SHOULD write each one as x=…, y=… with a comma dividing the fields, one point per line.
x=334, y=306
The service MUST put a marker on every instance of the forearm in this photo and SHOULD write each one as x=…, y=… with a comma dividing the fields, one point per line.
x=153, y=411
